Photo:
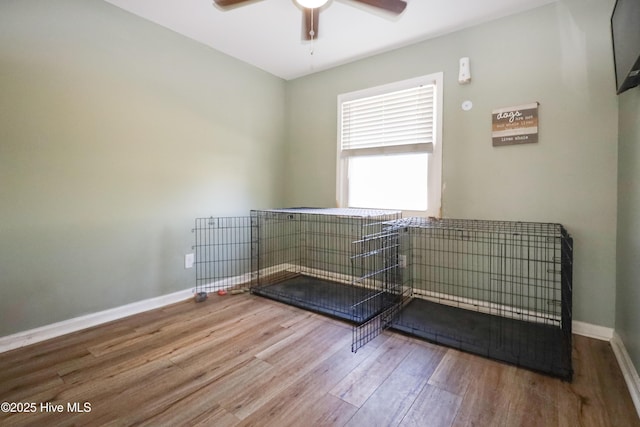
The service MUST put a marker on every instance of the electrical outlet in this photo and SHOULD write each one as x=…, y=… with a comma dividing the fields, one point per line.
x=189, y=259
x=402, y=261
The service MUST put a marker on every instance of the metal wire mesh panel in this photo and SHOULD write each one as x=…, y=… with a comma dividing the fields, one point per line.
x=500, y=289
x=304, y=257
x=223, y=253
x=277, y=246
x=378, y=267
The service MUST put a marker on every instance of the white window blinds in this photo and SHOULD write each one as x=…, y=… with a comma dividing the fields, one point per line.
x=398, y=121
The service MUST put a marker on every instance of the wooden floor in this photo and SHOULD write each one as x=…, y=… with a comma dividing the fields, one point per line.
x=247, y=361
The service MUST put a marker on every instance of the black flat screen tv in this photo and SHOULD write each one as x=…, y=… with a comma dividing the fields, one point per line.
x=625, y=32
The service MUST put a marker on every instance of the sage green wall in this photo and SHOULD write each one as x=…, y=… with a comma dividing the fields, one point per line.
x=559, y=55
x=114, y=134
x=628, y=254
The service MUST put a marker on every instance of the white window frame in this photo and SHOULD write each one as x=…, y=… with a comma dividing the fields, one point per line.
x=434, y=200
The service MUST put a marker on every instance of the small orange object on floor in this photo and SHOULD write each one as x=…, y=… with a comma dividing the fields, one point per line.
x=222, y=292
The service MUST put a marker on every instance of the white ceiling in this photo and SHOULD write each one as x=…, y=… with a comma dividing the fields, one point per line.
x=267, y=33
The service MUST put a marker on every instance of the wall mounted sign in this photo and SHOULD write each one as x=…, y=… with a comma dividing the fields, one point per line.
x=515, y=125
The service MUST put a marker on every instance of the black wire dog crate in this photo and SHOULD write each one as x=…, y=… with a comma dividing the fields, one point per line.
x=303, y=257
x=494, y=288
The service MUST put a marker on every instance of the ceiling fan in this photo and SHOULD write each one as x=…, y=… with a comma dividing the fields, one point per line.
x=312, y=9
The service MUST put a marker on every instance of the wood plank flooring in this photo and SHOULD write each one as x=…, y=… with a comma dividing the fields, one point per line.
x=246, y=361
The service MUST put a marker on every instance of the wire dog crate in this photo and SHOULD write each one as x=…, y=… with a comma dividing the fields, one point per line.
x=304, y=259
x=494, y=288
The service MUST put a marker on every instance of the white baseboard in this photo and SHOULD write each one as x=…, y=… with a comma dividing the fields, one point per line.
x=629, y=371
x=592, y=331
x=53, y=330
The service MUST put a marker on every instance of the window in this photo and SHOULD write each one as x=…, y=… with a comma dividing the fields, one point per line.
x=389, y=146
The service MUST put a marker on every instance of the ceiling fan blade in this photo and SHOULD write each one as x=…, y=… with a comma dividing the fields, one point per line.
x=394, y=6
x=310, y=27
x=225, y=3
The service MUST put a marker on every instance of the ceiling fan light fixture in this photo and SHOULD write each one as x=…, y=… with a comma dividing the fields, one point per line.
x=312, y=4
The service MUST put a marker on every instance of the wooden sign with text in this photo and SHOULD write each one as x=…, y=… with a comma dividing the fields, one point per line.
x=515, y=125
